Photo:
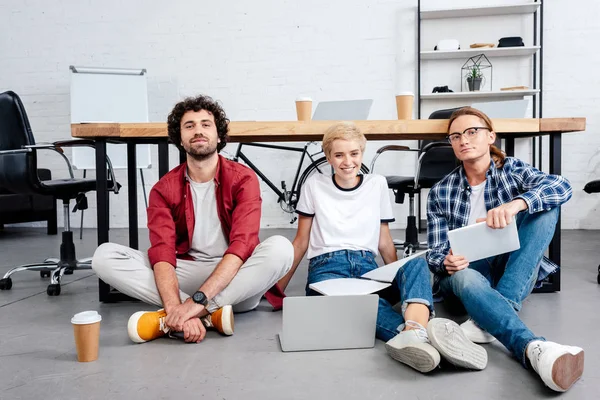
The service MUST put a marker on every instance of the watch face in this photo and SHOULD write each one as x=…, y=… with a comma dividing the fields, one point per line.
x=199, y=298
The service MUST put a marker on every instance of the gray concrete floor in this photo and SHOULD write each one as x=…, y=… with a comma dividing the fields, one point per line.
x=37, y=352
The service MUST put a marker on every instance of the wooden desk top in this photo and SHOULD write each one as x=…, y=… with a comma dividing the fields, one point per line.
x=295, y=131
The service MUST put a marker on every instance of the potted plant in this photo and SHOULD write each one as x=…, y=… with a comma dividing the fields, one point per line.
x=474, y=77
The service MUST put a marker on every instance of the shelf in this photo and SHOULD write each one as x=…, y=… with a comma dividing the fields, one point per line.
x=526, y=8
x=481, y=94
x=490, y=52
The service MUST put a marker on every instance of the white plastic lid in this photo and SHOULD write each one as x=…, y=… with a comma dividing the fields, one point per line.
x=303, y=99
x=86, y=317
x=405, y=94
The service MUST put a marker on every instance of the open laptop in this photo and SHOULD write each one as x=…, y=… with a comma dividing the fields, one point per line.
x=479, y=241
x=328, y=322
x=504, y=109
x=345, y=110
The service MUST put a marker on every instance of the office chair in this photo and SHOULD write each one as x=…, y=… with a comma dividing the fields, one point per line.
x=18, y=173
x=436, y=160
x=594, y=187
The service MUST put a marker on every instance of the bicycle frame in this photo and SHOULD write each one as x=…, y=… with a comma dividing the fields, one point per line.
x=240, y=155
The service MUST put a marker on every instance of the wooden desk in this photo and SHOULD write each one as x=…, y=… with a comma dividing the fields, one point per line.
x=295, y=131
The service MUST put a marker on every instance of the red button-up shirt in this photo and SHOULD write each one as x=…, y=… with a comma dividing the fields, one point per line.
x=171, y=216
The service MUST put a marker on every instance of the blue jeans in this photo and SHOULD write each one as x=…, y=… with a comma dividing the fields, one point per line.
x=411, y=285
x=492, y=290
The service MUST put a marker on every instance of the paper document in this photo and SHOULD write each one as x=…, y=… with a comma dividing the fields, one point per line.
x=479, y=241
x=371, y=282
x=347, y=286
x=387, y=273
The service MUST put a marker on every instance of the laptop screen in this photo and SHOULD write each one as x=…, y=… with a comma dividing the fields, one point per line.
x=345, y=110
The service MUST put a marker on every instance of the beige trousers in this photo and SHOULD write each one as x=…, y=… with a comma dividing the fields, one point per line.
x=129, y=271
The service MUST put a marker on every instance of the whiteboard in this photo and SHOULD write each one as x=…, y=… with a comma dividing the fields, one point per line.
x=109, y=95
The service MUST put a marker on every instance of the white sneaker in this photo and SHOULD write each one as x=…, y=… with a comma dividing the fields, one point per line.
x=558, y=365
x=412, y=348
x=475, y=333
x=452, y=343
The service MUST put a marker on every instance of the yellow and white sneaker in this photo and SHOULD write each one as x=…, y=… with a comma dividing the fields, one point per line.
x=221, y=320
x=144, y=326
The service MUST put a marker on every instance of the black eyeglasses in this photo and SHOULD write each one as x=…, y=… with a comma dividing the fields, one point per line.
x=470, y=132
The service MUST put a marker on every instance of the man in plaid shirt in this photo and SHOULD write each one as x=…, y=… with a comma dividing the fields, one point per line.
x=499, y=190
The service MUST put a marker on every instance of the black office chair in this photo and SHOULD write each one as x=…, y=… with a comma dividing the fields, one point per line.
x=436, y=160
x=18, y=173
x=594, y=187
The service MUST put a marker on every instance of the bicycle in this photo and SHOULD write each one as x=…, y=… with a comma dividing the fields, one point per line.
x=288, y=199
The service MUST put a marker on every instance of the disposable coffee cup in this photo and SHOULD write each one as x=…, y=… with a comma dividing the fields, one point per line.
x=404, y=105
x=304, y=108
x=86, y=328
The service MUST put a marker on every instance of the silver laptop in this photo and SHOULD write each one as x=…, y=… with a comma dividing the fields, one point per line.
x=328, y=322
x=478, y=241
x=504, y=109
x=345, y=110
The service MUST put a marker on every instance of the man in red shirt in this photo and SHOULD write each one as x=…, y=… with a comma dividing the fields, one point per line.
x=205, y=260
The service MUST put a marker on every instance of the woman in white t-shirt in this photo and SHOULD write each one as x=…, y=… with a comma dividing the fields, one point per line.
x=343, y=223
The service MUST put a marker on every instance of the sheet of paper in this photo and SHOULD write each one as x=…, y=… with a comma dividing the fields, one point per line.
x=478, y=241
x=347, y=286
x=387, y=273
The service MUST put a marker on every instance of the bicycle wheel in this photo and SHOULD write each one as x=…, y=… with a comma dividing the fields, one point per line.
x=319, y=166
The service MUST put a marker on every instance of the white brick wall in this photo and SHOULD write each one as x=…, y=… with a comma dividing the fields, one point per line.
x=256, y=57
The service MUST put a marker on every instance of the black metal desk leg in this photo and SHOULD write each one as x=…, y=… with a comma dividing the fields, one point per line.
x=163, y=158
x=101, y=191
x=132, y=195
x=101, y=207
x=555, y=168
x=509, y=146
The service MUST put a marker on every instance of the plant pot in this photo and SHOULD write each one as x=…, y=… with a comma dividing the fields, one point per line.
x=474, y=84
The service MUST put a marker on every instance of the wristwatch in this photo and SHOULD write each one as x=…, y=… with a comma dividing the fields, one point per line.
x=200, y=298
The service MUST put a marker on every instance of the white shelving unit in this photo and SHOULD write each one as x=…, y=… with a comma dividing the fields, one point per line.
x=525, y=51
x=496, y=94
x=466, y=12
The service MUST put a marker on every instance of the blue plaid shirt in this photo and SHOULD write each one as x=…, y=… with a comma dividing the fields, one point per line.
x=448, y=205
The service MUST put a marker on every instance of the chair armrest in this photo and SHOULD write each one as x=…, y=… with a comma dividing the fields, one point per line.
x=15, y=151
x=53, y=147
x=434, y=145
x=57, y=146
x=391, y=147
x=75, y=143
x=592, y=187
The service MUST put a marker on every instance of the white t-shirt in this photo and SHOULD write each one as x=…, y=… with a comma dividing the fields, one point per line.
x=345, y=219
x=208, y=240
x=477, y=203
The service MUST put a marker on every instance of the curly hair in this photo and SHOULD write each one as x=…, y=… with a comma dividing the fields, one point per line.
x=198, y=103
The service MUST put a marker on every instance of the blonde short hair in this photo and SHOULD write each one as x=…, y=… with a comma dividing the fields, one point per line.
x=344, y=131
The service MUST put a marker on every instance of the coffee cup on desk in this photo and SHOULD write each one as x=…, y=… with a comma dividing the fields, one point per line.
x=404, y=105
x=304, y=108
x=86, y=329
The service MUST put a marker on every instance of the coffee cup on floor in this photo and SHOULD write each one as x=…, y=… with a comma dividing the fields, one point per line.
x=304, y=108
x=404, y=105
x=86, y=328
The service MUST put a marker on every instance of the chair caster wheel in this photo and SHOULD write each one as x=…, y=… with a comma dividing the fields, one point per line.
x=53, y=290
x=68, y=271
x=598, y=279
x=5, y=284
x=44, y=274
